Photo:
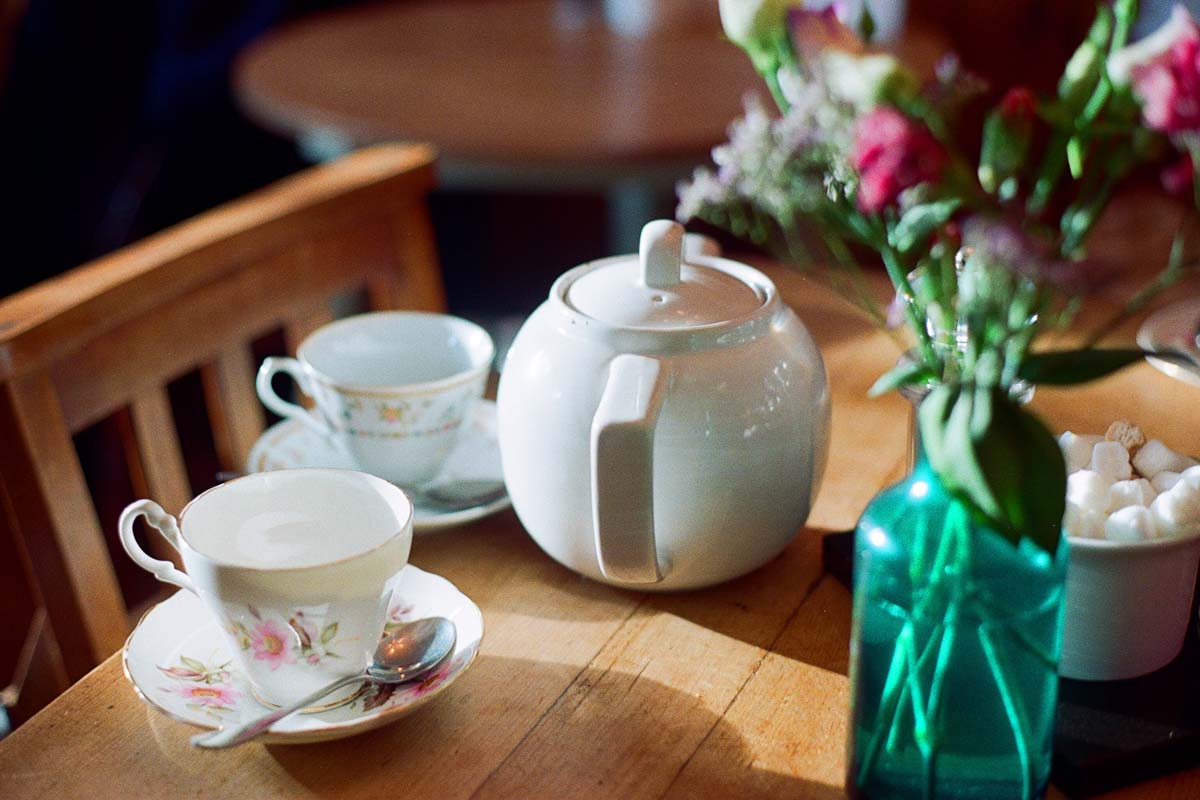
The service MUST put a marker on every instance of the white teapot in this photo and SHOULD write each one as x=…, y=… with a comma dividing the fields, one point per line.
x=663, y=424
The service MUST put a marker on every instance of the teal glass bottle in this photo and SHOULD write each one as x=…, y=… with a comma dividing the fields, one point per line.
x=954, y=650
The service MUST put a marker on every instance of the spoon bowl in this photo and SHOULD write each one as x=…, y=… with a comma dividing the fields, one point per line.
x=407, y=653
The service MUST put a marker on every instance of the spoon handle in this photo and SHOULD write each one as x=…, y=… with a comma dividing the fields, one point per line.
x=233, y=735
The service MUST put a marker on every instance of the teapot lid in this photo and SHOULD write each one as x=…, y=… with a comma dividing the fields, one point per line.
x=657, y=289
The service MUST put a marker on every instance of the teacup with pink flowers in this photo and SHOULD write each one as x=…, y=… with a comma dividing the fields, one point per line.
x=294, y=564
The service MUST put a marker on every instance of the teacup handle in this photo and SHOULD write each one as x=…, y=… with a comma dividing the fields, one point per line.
x=622, y=456
x=165, y=524
x=266, y=392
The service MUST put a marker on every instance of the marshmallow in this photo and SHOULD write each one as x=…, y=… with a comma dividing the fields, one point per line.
x=1164, y=480
x=1177, y=510
x=1192, y=476
x=1130, y=493
x=1077, y=450
x=1111, y=461
x=1088, y=490
x=1155, y=457
x=1082, y=522
x=1131, y=524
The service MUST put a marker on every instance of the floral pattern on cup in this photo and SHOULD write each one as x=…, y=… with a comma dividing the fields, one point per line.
x=213, y=690
x=397, y=417
x=399, y=613
x=300, y=639
x=204, y=688
x=381, y=694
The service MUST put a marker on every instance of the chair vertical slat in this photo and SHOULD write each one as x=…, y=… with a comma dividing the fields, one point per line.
x=417, y=282
x=234, y=411
x=158, y=446
x=57, y=523
x=139, y=472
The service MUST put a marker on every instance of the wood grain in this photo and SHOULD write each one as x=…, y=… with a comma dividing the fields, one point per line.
x=583, y=690
x=234, y=412
x=57, y=523
x=529, y=82
x=158, y=446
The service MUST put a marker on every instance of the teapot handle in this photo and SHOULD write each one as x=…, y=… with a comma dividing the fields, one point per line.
x=623, y=469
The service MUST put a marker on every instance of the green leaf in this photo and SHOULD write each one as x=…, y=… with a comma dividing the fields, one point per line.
x=932, y=418
x=920, y=221
x=1027, y=475
x=907, y=373
x=1067, y=367
x=328, y=632
x=866, y=24
x=997, y=458
x=192, y=663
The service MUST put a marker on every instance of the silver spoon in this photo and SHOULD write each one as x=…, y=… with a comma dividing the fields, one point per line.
x=405, y=654
x=440, y=498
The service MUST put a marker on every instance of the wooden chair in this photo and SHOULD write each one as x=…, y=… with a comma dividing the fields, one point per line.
x=107, y=338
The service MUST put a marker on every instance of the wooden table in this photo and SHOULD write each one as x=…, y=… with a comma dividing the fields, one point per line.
x=519, y=94
x=583, y=690
x=519, y=85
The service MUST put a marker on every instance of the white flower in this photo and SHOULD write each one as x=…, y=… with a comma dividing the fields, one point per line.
x=749, y=22
x=1122, y=63
x=860, y=80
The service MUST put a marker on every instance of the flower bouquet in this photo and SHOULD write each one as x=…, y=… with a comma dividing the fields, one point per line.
x=959, y=569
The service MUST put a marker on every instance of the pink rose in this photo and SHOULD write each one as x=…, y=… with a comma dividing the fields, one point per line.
x=1018, y=103
x=891, y=153
x=1164, y=70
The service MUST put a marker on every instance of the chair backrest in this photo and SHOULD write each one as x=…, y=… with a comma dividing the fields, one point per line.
x=107, y=338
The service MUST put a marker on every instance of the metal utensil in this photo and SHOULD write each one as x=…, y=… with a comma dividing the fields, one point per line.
x=405, y=654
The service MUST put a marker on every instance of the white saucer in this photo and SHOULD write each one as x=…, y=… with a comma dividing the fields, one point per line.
x=291, y=443
x=1174, y=328
x=178, y=662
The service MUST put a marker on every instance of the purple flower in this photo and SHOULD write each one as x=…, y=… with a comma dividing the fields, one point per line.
x=1006, y=245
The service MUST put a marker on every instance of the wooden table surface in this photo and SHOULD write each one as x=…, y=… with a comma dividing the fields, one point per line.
x=586, y=691
x=520, y=82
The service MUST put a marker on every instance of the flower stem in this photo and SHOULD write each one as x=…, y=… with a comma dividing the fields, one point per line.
x=887, y=706
x=915, y=313
x=1012, y=707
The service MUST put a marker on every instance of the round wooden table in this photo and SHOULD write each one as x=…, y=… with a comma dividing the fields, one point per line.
x=540, y=94
x=528, y=94
x=518, y=84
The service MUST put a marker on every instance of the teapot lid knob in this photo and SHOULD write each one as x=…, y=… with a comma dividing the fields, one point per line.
x=661, y=253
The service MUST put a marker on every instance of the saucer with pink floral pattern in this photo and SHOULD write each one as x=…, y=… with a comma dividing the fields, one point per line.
x=179, y=663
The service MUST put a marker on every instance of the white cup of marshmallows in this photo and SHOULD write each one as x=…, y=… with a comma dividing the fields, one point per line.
x=1123, y=488
x=1133, y=524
